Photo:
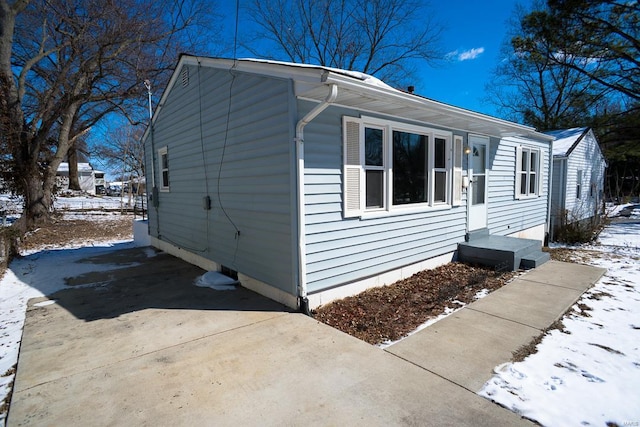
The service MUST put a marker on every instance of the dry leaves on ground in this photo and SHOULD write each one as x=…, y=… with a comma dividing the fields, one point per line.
x=61, y=232
x=390, y=312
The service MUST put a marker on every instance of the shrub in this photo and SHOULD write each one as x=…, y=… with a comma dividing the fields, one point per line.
x=573, y=231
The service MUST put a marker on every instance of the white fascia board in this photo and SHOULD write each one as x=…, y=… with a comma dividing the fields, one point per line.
x=413, y=101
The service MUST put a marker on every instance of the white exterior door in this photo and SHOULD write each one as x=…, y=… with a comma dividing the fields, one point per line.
x=478, y=171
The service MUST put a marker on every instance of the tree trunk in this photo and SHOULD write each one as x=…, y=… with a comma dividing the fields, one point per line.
x=38, y=202
x=74, y=182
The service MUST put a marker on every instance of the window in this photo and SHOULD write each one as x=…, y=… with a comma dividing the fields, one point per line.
x=528, y=174
x=440, y=170
x=579, y=185
x=457, y=170
x=163, y=160
x=410, y=168
x=391, y=166
x=374, y=167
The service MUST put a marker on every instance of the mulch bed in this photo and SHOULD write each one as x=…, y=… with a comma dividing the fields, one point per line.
x=388, y=313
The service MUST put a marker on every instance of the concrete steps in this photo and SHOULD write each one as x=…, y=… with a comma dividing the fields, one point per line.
x=501, y=252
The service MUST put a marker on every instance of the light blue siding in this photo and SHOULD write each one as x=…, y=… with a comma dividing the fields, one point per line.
x=506, y=214
x=251, y=190
x=585, y=157
x=339, y=250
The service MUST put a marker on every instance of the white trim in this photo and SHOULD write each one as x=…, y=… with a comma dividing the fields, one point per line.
x=536, y=233
x=313, y=77
x=474, y=221
x=163, y=151
x=248, y=282
x=519, y=170
x=324, y=297
x=268, y=291
x=457, y=150
x=388, y=127
x=190, y=257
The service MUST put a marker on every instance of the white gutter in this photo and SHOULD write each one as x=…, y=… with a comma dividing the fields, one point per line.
x=421, y=103
x=303, y=302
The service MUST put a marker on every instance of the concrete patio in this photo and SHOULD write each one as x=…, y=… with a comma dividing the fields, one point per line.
x=142, y=345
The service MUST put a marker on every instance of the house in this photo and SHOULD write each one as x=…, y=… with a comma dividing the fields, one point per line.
x=578, y=177
x=311, y=183
x=89, y=178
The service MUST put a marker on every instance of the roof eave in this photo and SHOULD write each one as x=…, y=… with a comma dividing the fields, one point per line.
x=501, y=128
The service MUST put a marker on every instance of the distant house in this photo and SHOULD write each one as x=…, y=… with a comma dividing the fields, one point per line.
x=89, y=178
x=312, y=183
x=578, y=177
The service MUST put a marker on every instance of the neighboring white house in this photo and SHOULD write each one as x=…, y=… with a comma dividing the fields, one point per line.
x=89, y=178
x=578, y=177
x=313, y=183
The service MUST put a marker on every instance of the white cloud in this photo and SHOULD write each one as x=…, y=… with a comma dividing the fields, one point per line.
x=466, y=55
x=470, y=54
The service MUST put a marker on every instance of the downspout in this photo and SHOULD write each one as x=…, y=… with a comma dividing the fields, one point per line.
x=549, y=235
x=303, y=301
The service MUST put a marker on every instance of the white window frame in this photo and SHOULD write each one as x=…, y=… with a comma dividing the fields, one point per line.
x=579, y=184
x=163, y=152
x=536, y=175
x=355, y=205
x=384, y=168
x=447, y=170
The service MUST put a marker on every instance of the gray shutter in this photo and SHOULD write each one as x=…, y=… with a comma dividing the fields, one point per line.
x=352, y=171
x=457, y=170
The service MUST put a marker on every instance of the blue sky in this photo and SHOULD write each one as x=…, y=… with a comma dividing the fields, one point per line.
x=475, y=33
x=472, y=39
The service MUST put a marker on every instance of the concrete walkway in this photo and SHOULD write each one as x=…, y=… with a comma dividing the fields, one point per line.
x=143, y=346
x=466, y=346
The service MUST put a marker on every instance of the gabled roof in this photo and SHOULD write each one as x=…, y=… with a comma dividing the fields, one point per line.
x=567, y=140
x=364, y=93
x=82, y=167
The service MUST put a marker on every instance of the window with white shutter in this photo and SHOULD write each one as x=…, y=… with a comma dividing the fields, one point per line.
x=352, y=204
x=391, y=166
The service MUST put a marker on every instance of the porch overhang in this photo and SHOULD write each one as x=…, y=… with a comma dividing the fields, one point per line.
x=369, y=98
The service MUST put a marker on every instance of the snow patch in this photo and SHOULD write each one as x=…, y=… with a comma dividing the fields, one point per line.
x=217, y=281
x=588, y=373
x=44, y=303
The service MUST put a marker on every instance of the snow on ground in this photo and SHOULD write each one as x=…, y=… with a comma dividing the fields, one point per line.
x=625, y=235
x=40, y=274
x=588, y=373
x=216, y=281
x=36, y=275
x=73, y=207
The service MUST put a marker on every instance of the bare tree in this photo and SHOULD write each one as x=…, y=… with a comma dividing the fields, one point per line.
x=65, y=65
x=384, y=38
x=123, y=152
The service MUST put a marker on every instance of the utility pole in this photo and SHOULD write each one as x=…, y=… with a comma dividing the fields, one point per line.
x=147, y=84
